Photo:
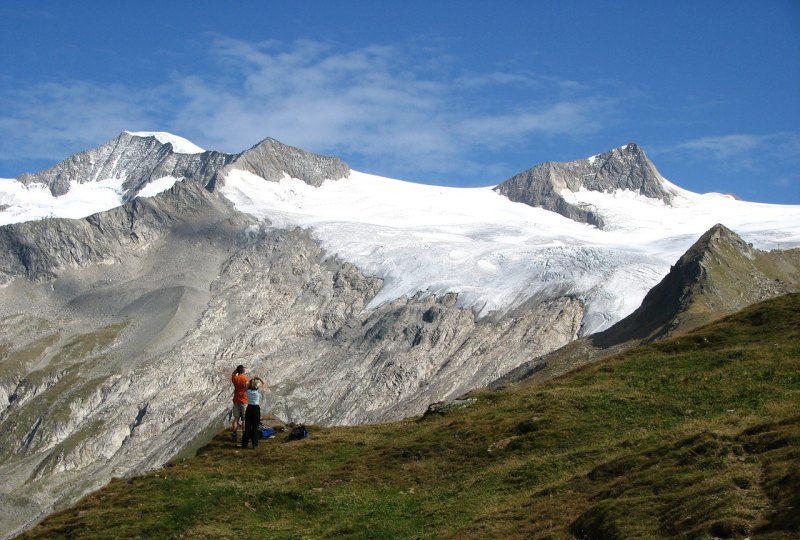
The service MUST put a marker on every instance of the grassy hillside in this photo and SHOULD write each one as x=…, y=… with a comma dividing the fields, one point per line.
x=693, y=437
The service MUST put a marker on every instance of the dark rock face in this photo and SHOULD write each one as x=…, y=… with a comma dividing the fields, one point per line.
x=625, y=168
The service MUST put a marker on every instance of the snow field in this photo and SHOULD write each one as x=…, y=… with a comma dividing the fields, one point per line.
x=20, y=203
x=495, y=253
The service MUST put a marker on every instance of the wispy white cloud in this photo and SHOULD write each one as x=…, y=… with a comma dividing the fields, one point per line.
x=398, y=108
x=741, y=150
x=785, y=182
x=50, y=120
x=394, y=107
x=550, y=119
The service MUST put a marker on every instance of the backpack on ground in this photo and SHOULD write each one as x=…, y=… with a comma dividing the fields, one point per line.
x=297, y=433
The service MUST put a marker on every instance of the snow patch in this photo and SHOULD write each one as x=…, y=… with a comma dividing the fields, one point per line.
x=19, y=203
x=157, y=186
x=179, y=144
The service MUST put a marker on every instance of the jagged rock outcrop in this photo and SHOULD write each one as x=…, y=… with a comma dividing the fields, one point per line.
x=719, y=275
x=626, y=168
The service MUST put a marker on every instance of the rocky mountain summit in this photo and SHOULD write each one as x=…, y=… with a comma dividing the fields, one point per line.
x=120, y=329
x=624, y=168
x=272, y=160
x=135, y=158
x=719, y=275
x=141, y=159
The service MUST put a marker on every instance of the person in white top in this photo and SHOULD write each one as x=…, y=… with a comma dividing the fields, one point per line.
x=252, y=415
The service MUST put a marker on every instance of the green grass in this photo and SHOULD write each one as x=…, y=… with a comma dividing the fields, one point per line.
x=61, y=382
x=14, y=362
x=694, y=437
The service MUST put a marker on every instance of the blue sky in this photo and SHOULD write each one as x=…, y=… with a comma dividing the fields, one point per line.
x=444, y=92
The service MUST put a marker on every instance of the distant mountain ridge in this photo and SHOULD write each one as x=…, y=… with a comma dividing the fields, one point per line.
x=142, y=159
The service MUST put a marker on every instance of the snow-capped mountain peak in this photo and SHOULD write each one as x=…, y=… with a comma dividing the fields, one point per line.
x=494, y=253
x=551, y=184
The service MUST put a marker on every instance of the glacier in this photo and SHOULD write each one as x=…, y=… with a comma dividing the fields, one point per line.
x=496, y=254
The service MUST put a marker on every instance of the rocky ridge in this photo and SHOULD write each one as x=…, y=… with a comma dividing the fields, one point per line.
x=625, y=168
x=719, y=275
x=142, y=159
x=39, y=250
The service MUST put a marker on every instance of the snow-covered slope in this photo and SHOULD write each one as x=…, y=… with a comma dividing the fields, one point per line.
x=497, y=254
x=20, y=203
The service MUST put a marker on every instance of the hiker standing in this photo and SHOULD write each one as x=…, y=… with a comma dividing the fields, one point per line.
x=252, y=415
x=239, y=380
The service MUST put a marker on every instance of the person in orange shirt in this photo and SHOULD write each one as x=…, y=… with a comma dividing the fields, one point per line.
x=239, y=380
